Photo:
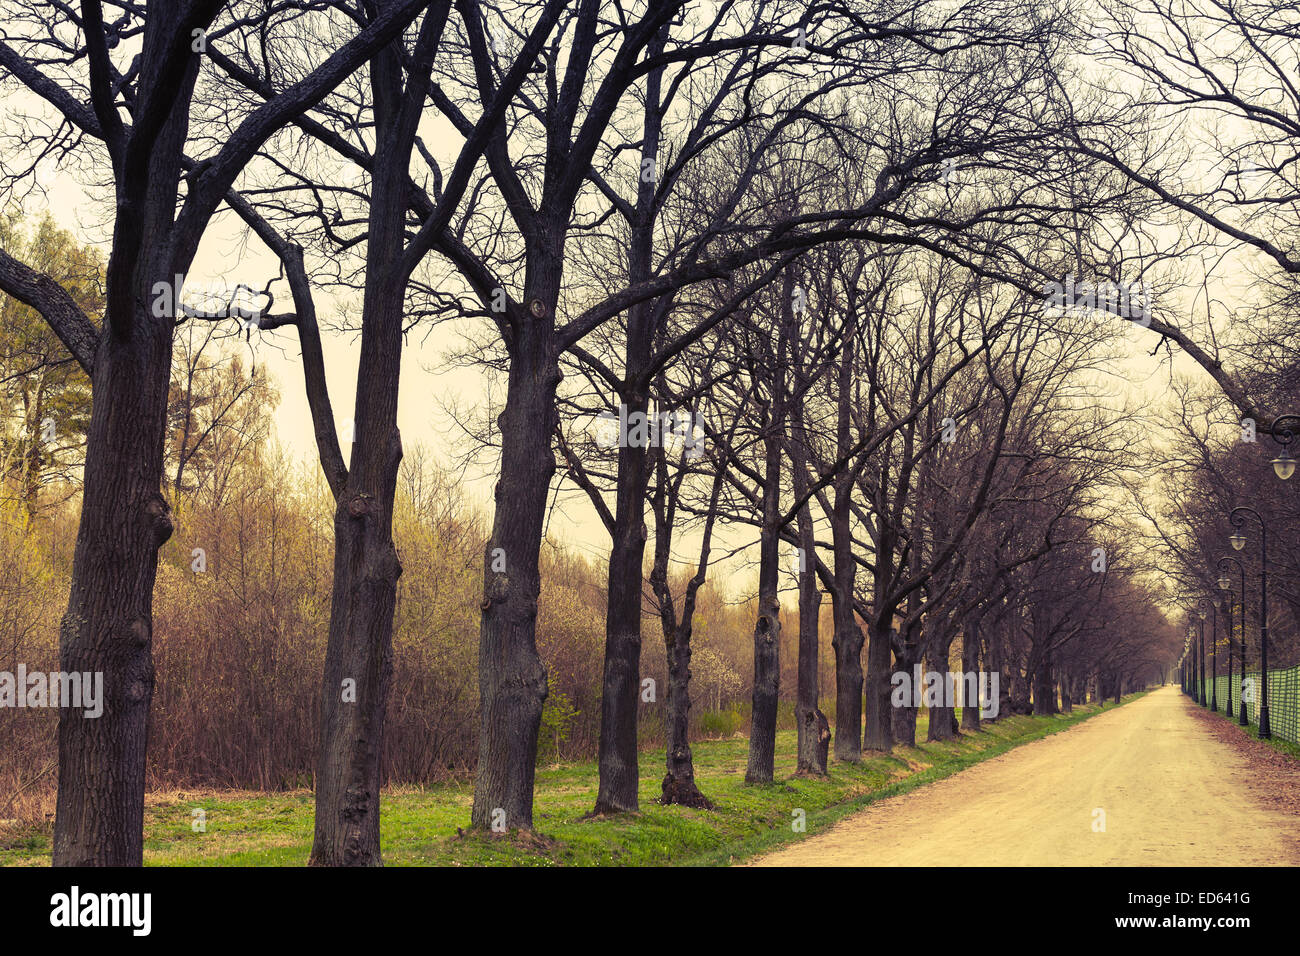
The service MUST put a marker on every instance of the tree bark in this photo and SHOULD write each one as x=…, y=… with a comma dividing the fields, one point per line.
x=814, y=734
x=108, y=626
x=1044, y=687
x=995, y=666
x=366, y=571
x=848, y=638
x=879, y=732
x=512, y=679
x=941, y=716
x=621, y=679
x=679, y=785
x=847, y=644
x=903, y=719
x=679, y=781
x=907, y=653
x=970, y=664
x=767, y=629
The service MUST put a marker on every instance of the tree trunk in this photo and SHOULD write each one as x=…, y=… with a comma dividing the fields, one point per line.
x=512, y=679
x=621, y=681
x=848, y=638
x=814, y=734
x=358, y=662
x=941, y=716
x=619, y=775
x=879, y=733
x=878, y=687
x=847, y=644
x=970, y=664
x=1044, y=687
x=679, y=782
x=359, y=655
x=33, y=460
x=767, y=629
x=813, y=729
x=108, y=627
x=767, y=637
x=907, y=654
x=903, y=719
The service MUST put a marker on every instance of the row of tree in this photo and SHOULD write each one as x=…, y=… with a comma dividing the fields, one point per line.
x=825, y=230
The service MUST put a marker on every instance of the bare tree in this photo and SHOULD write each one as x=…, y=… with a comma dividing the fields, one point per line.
x=137, y=112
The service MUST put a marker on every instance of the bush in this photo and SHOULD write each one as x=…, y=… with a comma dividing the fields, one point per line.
x=722, y=723
x=558, y=714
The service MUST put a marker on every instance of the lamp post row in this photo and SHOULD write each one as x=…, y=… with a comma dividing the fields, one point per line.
x=1283, y=431
x=1225, y=582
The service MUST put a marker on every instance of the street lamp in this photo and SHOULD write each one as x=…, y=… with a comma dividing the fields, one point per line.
x=1214, y=648
x=1225, y=582
x=1186, y=668
x=1200, y=647
x=1283, y=432
x=1238, y=518
x=1198, y=665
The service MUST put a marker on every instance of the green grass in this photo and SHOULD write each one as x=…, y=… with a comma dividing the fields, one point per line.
x=420, y=827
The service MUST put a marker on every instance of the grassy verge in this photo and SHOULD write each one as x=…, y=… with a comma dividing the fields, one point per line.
x=421, y=826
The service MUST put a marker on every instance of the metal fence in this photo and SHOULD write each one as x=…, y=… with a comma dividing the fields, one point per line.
x=1283, y=699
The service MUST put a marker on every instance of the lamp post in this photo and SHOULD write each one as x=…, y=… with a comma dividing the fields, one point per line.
x=1238, y=519
x=1225, y=582
x=1200, y=651
x=1198, y=692
x=1283, y=432
x=1214, y=648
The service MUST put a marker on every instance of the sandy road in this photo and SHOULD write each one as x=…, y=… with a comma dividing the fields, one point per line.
x=1175, y=789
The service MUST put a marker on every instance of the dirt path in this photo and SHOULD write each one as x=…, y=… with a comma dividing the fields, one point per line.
x=1176, y=788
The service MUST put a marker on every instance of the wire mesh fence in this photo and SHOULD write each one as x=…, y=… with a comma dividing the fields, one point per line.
x=1283, y=699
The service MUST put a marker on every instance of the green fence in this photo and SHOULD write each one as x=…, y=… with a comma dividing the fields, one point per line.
x=1283, y=700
